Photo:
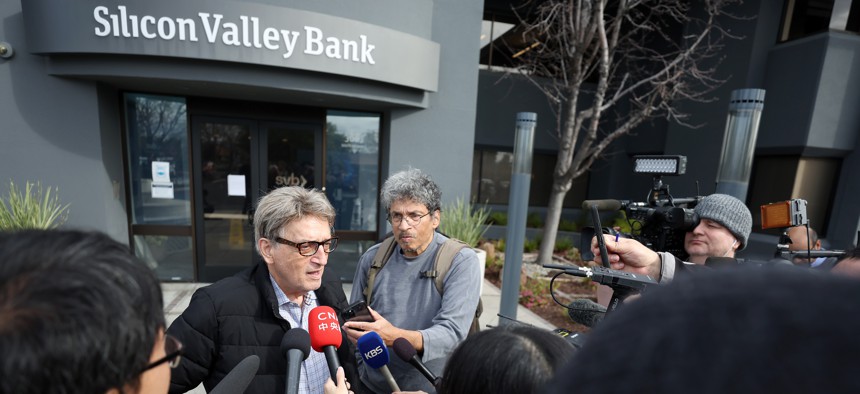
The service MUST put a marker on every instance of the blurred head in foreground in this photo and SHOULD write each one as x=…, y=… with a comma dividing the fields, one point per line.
x=505, y=360
x=744, y=330
x=79, y=314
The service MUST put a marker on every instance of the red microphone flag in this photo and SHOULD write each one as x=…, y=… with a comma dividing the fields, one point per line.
x=324, y=328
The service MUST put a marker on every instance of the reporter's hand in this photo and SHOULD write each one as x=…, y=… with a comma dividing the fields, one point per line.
x=342, y=385
x=628, y=255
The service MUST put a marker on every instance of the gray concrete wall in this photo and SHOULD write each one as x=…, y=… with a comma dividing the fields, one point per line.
x=52, y=133
x=66, y=131
x=701, y=145
x=440, y=140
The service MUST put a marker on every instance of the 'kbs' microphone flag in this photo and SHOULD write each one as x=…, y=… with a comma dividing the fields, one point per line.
x=373, y=350
x=324, y=328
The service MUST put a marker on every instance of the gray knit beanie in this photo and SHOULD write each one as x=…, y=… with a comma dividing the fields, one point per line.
x=729, y=212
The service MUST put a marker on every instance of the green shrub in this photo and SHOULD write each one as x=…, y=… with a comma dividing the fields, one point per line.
x=500, y=246
x=464, y=223
x=573, y=254
x=562, y=244
x=534, y=292
x=568, y=225
x=533, y=220
x=498, y=219
x=35, y=208
x=621, y=224
x=531, y=245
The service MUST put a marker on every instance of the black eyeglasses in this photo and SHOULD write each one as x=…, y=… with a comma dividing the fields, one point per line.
x=412, y=219
x=173, y=351
x=310, y=248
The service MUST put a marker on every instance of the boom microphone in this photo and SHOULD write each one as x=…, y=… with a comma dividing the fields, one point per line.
x=326, y=336
x=239, y=377
x=585, y=312
x=603, y=205
x=375, y=354
x=296, y=347
x=406, y=352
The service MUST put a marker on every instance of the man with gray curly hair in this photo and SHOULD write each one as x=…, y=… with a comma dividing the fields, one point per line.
x=403, y=298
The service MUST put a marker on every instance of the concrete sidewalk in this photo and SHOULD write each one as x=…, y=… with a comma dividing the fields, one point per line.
x=178, y=295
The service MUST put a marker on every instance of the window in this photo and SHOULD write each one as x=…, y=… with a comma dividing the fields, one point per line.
x=352, y=168
x=491, y=180
x=801, y=18
x=159, y=183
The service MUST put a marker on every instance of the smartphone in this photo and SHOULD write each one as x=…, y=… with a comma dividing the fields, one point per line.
x=357, y=311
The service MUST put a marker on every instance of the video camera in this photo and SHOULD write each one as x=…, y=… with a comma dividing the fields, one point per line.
x=662, y=221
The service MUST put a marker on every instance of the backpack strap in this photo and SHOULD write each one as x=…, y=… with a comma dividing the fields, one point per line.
x=386, y=248
x=444, y=258
x=441, y=265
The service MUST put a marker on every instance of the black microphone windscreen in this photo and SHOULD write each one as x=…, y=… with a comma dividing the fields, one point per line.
x=602, y=205
x=239, y=377
x=296, y=338
x=404, y=349
x=585, y=312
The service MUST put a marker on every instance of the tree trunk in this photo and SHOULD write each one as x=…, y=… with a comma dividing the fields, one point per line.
x=550, y=227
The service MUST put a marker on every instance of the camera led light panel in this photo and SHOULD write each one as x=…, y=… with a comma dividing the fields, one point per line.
x=662, y=165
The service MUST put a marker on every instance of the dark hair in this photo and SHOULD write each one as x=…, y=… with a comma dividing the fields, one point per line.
x=742, y=330
x=511, y=359
x=78, y=313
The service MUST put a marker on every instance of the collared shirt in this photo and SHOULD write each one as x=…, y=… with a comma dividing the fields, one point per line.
x=315, y=368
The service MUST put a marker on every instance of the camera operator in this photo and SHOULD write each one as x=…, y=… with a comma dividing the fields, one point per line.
x=724, y=228
x=801, y=237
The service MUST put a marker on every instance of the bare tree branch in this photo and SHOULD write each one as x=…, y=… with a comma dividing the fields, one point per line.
x=636, y=59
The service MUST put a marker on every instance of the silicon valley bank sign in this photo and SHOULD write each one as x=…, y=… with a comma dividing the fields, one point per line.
x=237, y=32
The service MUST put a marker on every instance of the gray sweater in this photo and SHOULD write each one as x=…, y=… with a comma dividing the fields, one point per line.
x=412, y=302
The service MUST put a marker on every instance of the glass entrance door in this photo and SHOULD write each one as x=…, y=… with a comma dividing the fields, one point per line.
x=237, y=161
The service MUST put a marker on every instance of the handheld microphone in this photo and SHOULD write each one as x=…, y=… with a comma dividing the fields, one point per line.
x=296, y=347
x=585, y=312
x=326, y=336
x=239, y=377
x=375, y=354
x=407, y=352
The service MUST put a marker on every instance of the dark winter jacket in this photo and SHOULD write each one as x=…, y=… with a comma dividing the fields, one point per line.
x=237, y=317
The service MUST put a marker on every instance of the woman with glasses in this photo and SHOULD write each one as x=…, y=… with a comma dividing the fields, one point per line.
x=80, y=314
x=250, y=312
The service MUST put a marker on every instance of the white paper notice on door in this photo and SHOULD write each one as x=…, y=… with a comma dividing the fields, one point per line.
x=162, y=190
x=160, y=172
x=236, y=185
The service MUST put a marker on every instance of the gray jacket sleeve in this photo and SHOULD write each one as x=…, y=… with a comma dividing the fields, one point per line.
x=459, y=301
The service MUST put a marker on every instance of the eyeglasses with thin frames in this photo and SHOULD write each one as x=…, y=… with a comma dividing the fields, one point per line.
x=310, y=248
x=172, y=351
x=412, y=219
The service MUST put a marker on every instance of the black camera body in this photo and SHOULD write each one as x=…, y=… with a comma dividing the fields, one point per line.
x=661, y=222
